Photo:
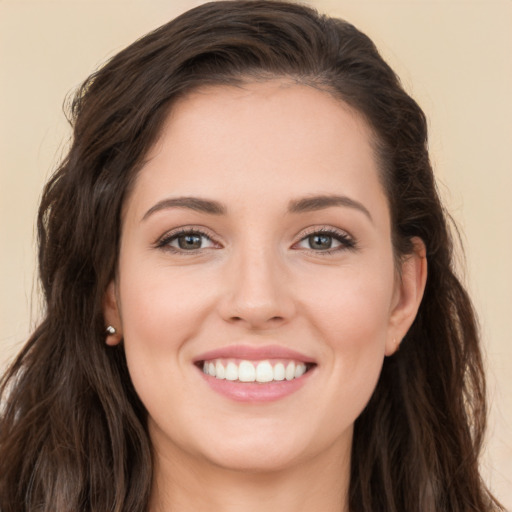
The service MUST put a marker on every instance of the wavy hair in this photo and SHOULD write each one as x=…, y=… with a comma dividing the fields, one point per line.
x=73, y=433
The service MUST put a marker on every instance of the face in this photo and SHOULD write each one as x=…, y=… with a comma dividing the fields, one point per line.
x=256, y=247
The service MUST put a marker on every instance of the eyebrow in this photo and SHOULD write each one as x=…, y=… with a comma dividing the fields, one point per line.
x=307, y=204
x=191, y=203
x=321, y=202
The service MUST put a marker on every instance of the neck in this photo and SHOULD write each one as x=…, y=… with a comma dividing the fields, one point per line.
x=320, y=483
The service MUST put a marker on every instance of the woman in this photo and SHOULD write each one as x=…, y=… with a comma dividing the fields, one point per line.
x=234, y=260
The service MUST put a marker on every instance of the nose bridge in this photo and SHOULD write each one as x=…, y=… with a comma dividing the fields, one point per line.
x=258, y=293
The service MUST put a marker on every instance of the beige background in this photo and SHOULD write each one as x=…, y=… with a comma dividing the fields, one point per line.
x=454, y=57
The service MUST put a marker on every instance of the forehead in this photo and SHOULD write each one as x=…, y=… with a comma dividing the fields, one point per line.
x=273, y=107
x=270, y=138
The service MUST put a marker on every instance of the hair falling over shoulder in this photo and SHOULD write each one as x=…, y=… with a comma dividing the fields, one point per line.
x=73, y=433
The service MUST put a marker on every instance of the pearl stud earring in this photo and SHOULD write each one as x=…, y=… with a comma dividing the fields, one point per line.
x=110, y=330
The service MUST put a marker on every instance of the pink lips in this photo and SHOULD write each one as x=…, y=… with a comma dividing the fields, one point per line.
x=256, y=392
x=254, y=353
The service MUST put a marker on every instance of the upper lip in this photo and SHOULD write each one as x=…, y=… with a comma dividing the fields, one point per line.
x=254, y=353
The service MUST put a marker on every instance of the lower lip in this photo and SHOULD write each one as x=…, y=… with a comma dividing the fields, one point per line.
x=253, y=392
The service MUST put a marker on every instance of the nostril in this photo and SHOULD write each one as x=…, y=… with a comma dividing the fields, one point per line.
x=273, y=319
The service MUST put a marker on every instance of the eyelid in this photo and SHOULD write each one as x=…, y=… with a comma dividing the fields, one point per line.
x=163, y=241
x=324, y=229
x=347, y=241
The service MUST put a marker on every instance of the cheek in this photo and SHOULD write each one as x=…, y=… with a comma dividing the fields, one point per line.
x=351, y=306
x=159, y=306
x=162, y=311
x=350, y=314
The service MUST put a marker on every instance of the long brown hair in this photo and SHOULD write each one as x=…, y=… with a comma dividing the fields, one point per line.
x=73, y=433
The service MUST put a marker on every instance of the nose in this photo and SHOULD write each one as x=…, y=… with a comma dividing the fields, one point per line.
x=258, y=294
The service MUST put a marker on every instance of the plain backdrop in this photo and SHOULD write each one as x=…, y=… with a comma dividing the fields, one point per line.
x=454, y=57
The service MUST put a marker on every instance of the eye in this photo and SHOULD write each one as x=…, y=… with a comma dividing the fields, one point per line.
x=321, y=241
x=327, y=241
x=186, y=240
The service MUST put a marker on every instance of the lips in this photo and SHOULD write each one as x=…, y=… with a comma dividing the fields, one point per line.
x=252, y=353
x=253, y=374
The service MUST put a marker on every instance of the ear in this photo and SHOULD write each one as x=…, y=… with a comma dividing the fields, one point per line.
x=112, y=315
x=409, y=290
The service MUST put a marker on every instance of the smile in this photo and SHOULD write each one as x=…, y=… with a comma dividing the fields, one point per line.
x=255, y=374
x=254, y=371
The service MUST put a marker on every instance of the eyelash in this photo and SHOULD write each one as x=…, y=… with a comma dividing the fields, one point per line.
x=345, y=240
x=164, y=242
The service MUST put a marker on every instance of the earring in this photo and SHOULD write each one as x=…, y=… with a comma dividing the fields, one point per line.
x=110, y=330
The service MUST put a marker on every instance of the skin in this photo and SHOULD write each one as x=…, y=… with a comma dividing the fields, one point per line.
x=257, y=280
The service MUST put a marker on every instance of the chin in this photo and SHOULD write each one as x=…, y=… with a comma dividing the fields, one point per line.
x=256, y=457
x=269, y=446
x=260, y=445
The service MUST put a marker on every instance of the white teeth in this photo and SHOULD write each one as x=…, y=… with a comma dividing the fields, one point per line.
x=252, y=371
x=300, y=369
x=290, y=371
x=219, y=370
x=279, y=372
x=231, y=371
x=264, y=372
x=246, y=372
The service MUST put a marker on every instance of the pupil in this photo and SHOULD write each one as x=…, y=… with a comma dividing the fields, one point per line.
x=189, y=242
x=320, y=241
